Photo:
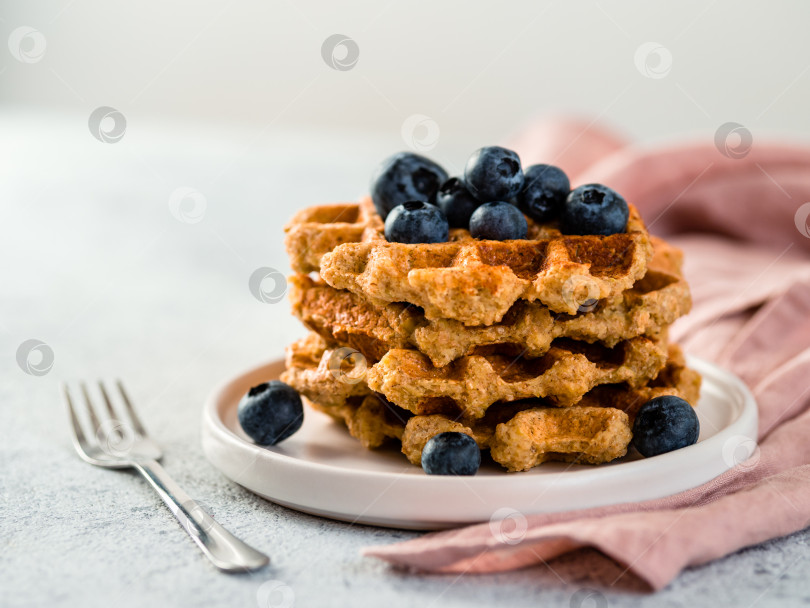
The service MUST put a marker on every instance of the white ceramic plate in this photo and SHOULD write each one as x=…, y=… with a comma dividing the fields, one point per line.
x=324, y=471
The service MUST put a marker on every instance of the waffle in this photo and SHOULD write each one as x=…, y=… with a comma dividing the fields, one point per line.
x=519, y=435
x=468, y=280
x=471, y=384
x=341, y=316
x=317, y=230
x=675, y=379
x=530, y=436
x=540, y=349
x=323, y=375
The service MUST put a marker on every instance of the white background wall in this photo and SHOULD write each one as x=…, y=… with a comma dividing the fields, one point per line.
x=477, y=69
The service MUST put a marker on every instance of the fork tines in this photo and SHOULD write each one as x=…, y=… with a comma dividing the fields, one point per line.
x=109, y=424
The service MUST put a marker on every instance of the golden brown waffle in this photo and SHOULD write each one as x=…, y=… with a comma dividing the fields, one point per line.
x=469, y=385
x=370, y=419
x=472, y=383
x=588, y=435
x=325, y=376
x=520, y=439
x=675, y=379
x=519, y=434
x=317, y=230
x=341, y=316
x=472, y=281
x=523, y=434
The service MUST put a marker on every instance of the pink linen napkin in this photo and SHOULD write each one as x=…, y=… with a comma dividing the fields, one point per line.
x=740, y=213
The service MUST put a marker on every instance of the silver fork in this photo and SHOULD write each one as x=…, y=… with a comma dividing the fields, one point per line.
x=117, y=444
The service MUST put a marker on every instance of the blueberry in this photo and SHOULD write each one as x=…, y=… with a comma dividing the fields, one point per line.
x=664, y=424
x=416, y=222
x=498, y=221
x=544, y=192
x=405, y=177
x=451, y=453
x=594, y=209
x=493, y=174
x=457, y=203
x=270, y=412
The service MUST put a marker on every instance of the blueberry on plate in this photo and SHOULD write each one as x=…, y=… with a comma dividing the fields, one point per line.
x=499, y=221
x=493, y=174
x=457, y=203
x=664, y=424
x=270, y=412
x=405, y=177
x=416, y=222
x=594, y=209
x=451, y=453
x=544, y=192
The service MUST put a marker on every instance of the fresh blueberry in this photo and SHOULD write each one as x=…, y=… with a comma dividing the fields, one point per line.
x=405, y=177
x=544, y=192
x=270, y=412
x=664, y=424
x=451, y=453
x=456, y=202
x=493, y=174
x=594, y=209
x=416, y=222
x=498, y=221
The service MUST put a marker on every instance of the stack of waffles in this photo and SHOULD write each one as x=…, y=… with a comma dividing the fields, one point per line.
x=540, y=349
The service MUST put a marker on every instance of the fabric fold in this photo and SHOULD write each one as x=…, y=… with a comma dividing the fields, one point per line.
x=687, y=536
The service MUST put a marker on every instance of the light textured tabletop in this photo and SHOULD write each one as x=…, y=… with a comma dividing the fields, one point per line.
x=96, y=264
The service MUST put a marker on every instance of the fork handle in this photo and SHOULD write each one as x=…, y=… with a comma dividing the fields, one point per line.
x=225, y=551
